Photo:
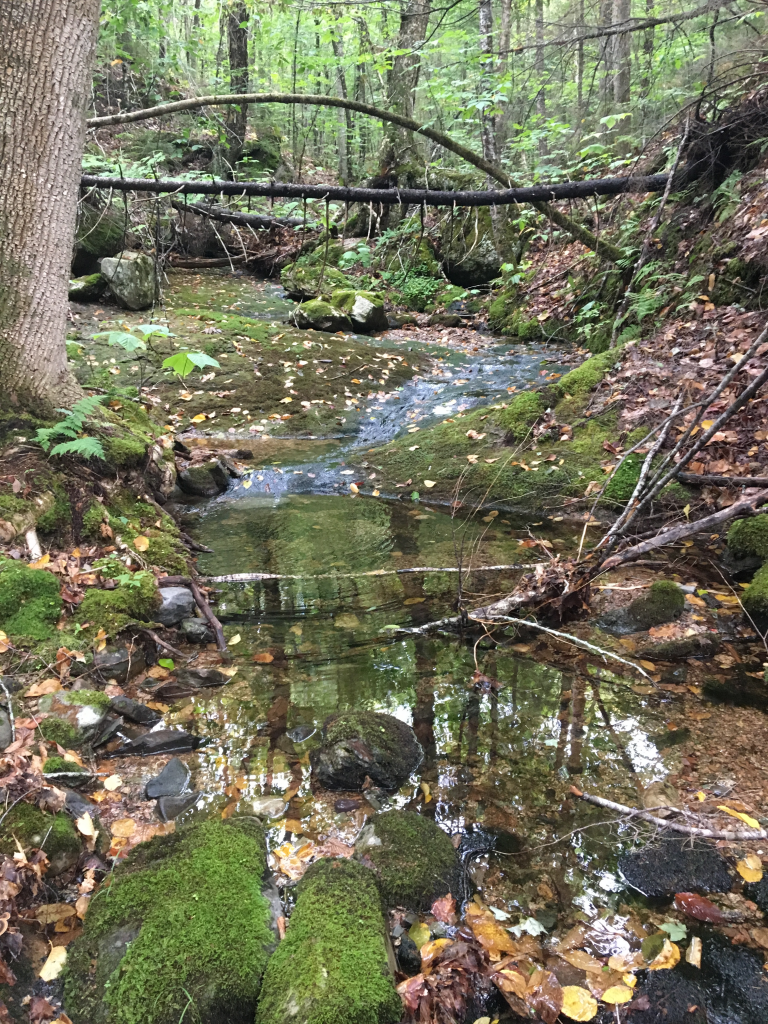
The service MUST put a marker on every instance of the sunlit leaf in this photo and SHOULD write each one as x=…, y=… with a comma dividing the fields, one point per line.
x=740, y=815
x=750, y=868
x=578, y=1004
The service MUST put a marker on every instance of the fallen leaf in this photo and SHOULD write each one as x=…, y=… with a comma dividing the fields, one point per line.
x=751, y=868
x=740, y=815
x=50, y=913
x=430, y=483
x=693, y=953
x=354, y=488
x=419, y=933
x=234, y=639
x=264, y=658
x=141, y=543
x=698, y=602
x=667, y=958
x=42, y=561
x=123, y=828
x=578, y=1004
x=617, y=994
x=86, y=827
x=4, y=645
x=488, y=932
x=81, y=905
x=585, y=962
x=431, y=950
x=113, y=782
x=46, y=686
x=54, y=965
x=40, y=1009
x=199, y=418
x=444, y=909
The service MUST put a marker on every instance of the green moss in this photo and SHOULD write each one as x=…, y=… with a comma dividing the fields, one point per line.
x=88, y=698
x=522, y=413
x=749, y=538
x=584, y=378
x=53, y=765
x=125, y=451
x=112, y=610
x=308, y=282
x=321, y=316
x=755, y=599
x=58, y=515
x=622, y=484
x=664, y=601
x=181, y=933
x=94, y=516
x=29, y=601
x=10, y=505
x=331, y=968
x=54, y=833
x=57, y=730
x=413, y=859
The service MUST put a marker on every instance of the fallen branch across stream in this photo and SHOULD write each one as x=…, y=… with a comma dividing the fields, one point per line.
x=688, y=830
x=253, y=220
x=255, y=577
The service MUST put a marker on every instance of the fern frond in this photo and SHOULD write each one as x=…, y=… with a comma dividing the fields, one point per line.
x=85, y=447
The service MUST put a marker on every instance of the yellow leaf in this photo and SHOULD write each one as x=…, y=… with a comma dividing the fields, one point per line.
x=157, y=705
x=430, y=483
x=751, y=868
x=667, y=958
x=432, y=949
x=141, y=543
x=112, y=783
x=123, y=828
x=584, y=962
x=617, y=994
x=85, y=826
x=741, y=816
x=374, y=493
x=697, y=601
x=41, y=689
x=419, y=933
x=354, y=488
x=488, y=932
x=246, y=484
x=82, y=905
x=54, y=965
x=578, y=1004
x=284, y=401
x=50, y=913
x=701, y=796
x=234, y=639
x=648, y=665
x=4, y=645
x=199, y=418
x=43, y=560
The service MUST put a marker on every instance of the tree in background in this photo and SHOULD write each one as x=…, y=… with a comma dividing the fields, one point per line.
x=45, y=79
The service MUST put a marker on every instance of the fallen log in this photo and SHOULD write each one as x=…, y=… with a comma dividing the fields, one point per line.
x=700, y=479
x=253, y=220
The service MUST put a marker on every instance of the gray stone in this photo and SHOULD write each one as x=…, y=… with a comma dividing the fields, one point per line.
x=170, y=807
x=201, y=677
x=108, y=729
x=196, y=631
x=445, y=320
x=135, y=711
x=301, y=733
x=319, y=315
x=77, y=805
x=172, y=780
x=205, y=480
x=163, y=741
x=269, y=806
x=364, y=309
x=176, y=603
x=6, y=733
x=132, y=279
x=119, y=663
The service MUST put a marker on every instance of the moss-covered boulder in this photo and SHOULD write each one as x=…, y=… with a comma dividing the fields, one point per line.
x=364, y=309
x=303, y=281
x=664, y=602
x=87, y=288
x=748, y=538
x=74, y=716
x=360, y=744
x=132, y=280
x=320, y=315
x=414, y=861
x=112, y=610
x=183, y=931
x=334, y=965
x=29, y=601
x=55, y=834
x=473, y=248
x=755, y=599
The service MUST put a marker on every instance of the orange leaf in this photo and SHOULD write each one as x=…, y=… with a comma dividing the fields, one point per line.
x=123, y=828
x=41, y=689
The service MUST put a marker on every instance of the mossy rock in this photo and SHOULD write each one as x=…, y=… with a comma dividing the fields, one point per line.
x=66, y=772
x=87, y=288
x=183, y=931
x=622, y=483
x=30, y=603
x=521, y=414
x=364, y=309
x=125, y=452
x=413, y=859
x=749, y=538
x=755, y=598
x=360, y=744
x=304, y=282
x=319, y=315
x=34, y=829
x=582, y=379
x=112, y=610
x=334, y=965
x=472, y=252
x=406, y=251
x=664, y=602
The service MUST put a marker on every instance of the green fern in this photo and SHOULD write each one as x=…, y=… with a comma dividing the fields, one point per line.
x=69, y=431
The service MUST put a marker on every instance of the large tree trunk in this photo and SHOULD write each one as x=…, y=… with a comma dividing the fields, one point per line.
x=237, y=38
x=45, y=71
x=398, y=144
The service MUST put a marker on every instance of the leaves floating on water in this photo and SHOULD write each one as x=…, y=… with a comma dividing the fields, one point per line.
x=488, y=932
x=617, y=994
x=444, y=909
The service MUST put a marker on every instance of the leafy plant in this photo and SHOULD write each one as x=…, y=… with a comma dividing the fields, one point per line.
x=71, y=428
x=360, y=254
x=129, y=341
x=183, y=363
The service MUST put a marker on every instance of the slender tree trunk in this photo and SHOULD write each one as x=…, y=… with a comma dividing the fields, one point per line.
x=579, y=67
x=622, y=11
x=45, y=74
x=648, y=44
x=541, y=100
x=402, y=80
x=237, y=39
x=346, y=128
x=607, y=52
x=486, y=78
x=505, y=41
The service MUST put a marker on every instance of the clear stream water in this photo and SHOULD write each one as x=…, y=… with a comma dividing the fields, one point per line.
x=498, y=758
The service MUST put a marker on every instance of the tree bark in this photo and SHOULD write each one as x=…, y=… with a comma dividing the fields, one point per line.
x=45, y=71
x=622, y=11
x=237, y=39
x=346, y=129
x=402, y=79
x=541, y=99
x=488, y=121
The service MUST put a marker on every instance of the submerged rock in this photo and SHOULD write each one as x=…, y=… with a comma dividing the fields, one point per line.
x=360, y=744
x=205, y=480
x=334, y=964
x=135, y=711
x=413, y=859
x=163, y=741
x=172, y=780
x=320, y=315
x=202, y=677
x=664, y=602
x=675, y=865
x=176, y=603
x=196, y=631
x=187, y=924
x=269, y=806
x=168, y=808
x=132, y=279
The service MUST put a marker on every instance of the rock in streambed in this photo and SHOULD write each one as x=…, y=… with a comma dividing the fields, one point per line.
x=360, y=744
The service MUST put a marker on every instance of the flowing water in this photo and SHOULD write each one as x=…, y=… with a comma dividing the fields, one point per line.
x=504, y=735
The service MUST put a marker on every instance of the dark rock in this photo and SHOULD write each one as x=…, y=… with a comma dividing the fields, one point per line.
x=244, y=454
x=12, y=684
x=445, y=320
x=202, y=677
x=77, y=805
x=402, y=320
x=205, y=480
x=119, y=663
x=6, y=732
x=196, y=631
x=100, y=232
x=673, y=866
x=170, y=807
x=173, y=690
x=301, y=733
x=135, y=711
x=194, y=899
x=758, y=893
x=108, y=729
x=408, y=956
x=176, y=603
x=739, y=687
x=164, y=741
x=668, y=996
x=172, y=780
x=346, y=804
x=414, y=860
x=364, y=744
x=700, y=646
x=664, y=602
x=736, y=983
